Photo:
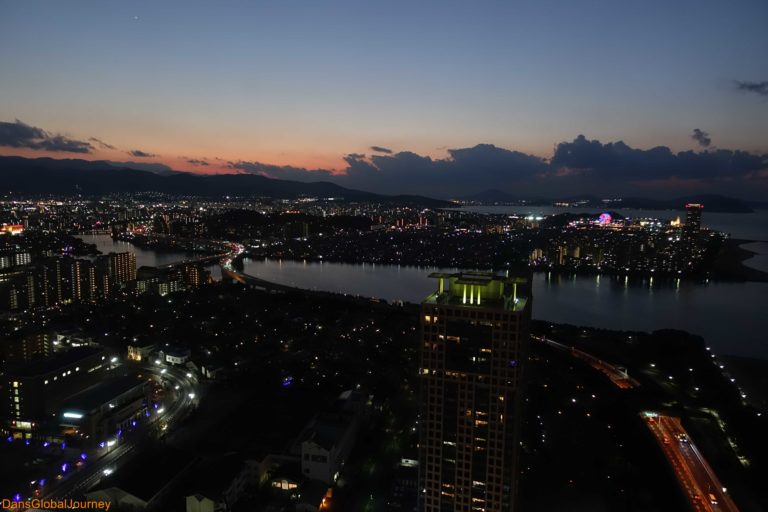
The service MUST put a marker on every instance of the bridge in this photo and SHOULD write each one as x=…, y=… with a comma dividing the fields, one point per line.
x=208, y=258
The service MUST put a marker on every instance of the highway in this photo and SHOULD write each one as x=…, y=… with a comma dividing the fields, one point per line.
x=700, y=484
x=78, y=481
x=617, y=375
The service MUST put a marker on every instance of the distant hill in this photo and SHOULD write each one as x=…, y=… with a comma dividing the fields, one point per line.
x=42, y=176
x=711, y=202
x=491, y=195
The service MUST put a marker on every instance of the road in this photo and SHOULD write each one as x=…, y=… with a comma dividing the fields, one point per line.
x=617, y=375
x=700, y=484
x=91, y=473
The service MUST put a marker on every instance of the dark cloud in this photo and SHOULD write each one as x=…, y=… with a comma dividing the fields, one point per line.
x=101, y=143
x=22, y=135
x=283, y=172
x=474, y=169
x=194, y=161
x=581, y=166
x=380, y=149
x=760, y=88
x=618, y=161
x=140, y=154
x=701, y=137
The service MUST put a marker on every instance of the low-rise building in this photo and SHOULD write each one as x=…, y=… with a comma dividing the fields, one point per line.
x=140, y=350
x=176, y=355
x=326, y=441
x=101, y=411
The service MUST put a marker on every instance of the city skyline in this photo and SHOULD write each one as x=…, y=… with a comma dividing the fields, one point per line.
x=302, y=91
x=281, y=256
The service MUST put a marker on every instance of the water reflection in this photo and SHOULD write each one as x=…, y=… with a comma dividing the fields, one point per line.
x=715, y=310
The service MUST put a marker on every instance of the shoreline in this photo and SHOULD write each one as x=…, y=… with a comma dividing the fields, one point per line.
x=268, y=285
x=730, y=262
x=729, y=266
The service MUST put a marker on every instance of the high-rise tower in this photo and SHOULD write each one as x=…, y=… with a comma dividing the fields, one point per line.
x=692, y=219
x=474, y=338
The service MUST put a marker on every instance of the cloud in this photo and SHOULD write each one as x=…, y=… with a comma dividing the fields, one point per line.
x=22, y=135
x=194, y=161
x=759, y=88
x=283, y=172
x=701, y=137
x=580, y=166
x=380, y=149
x=618, y=161
x=140, y=154
x=101, y=143
x=465, y=169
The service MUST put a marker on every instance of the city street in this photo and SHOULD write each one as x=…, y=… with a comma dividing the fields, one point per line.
x=699, y=482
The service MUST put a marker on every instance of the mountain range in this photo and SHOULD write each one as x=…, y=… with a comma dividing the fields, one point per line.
x=43, y=176
x=49, y=176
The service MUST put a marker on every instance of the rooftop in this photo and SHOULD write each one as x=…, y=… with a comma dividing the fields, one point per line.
x=102, y=393
x=57, y=361
x=481, y=290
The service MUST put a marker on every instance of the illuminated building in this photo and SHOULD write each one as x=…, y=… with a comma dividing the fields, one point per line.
x=121, y=266
x=140, y=351
x=194, y=274
x=14, y=259
x=692, y=219
x=114, y=269
x=473, y=342
x=13, y=229
x=23, y=349
x=100, y=410
x=82, y=279
x=175, y=355
x=34, y=391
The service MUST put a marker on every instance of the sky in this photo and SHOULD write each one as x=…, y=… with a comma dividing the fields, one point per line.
x=413, y=97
